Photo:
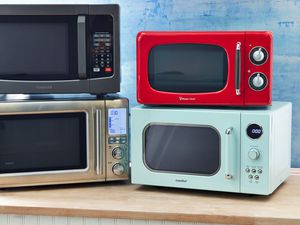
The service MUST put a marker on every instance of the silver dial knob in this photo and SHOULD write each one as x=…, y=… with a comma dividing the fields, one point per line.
x=258, y=81
x=258, y=55
x=118, y=169
x=118, y=153
x=253, y=154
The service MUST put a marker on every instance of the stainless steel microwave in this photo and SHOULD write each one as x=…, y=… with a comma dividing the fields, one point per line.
x=59, y=49
x=61, y=141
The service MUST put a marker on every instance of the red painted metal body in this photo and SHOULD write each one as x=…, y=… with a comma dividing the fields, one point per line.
x=228, y=41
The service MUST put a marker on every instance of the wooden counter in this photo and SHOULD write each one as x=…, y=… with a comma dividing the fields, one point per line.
x=122, y=200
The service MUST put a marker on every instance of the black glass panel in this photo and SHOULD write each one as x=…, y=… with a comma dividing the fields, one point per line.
x=188, y=68
x=186, y=149
x=43, y=142
x=38, y=47
x=101, y=41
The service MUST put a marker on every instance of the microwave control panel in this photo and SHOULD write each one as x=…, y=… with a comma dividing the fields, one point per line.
x=117, y=143
x=101, y=44
x=254, y=152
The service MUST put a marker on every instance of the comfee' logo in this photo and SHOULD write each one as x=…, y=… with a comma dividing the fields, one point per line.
x=43, y=87
x=181, y=180
x=186, y=99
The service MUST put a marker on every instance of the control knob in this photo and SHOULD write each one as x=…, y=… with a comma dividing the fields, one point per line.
x=258, y=55
x=118, y=153
x=258, y=81
x=118, y=169
x=253, y=154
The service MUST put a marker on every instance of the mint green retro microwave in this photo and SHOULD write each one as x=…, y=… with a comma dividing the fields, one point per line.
x=231, y=150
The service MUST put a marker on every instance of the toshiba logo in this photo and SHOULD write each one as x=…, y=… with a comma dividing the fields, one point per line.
x=187, y=99
x=44, y=87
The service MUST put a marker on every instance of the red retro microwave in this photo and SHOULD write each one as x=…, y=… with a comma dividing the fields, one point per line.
x=205, y=68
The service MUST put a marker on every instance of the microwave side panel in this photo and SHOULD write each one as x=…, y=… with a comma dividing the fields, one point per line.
x=143, y=117
x=280, y=154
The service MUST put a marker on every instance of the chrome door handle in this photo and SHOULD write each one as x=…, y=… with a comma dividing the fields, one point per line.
x=98, y=143
x=238, y=69
x=228, y=133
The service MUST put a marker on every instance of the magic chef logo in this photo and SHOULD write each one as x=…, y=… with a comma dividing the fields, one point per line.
x=187, y=98
x=181, y=180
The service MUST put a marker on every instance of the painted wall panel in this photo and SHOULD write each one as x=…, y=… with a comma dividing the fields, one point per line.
x=11, y=219
x=281, y=16
x=31, y=220
x=59, y=220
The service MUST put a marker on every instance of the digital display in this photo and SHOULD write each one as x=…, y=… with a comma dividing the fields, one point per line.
x=254, y=131
x=117, y=121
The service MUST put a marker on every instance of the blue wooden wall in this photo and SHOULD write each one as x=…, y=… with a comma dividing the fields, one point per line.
x=280, y=16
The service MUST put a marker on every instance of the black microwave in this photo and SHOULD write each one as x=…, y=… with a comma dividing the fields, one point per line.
x=59, y=49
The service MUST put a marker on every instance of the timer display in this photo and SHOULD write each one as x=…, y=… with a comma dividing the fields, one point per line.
x=254, y=131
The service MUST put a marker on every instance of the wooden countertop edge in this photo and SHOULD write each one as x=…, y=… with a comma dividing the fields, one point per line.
x=144, y=215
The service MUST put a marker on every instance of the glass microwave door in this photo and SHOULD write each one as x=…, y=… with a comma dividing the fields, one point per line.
x=38, y=48
x=187, y=68
x=43, y=142
x=182, y=149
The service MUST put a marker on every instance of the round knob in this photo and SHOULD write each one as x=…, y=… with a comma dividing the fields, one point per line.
x=118, y=153
x=258, y=81
x=118, y=169
x=253, y=154
x=258, y=55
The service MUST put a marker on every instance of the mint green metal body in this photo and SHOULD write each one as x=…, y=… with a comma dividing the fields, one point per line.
x=274, y=147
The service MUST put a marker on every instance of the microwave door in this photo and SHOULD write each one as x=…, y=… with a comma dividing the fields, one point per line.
x=33, y=143
x=42, y=47
x=190, y=148
x=49, y=147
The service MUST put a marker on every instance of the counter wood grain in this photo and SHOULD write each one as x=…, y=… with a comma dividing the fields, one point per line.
x=122, y=200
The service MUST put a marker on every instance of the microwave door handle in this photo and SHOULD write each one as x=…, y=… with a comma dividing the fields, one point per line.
x=228, y=133
x=98, y=143
x=238, y=69
x=81, y=47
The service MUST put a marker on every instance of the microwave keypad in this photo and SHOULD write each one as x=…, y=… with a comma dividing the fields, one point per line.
x=102, y=63
x=253, y=173
x=117, y=140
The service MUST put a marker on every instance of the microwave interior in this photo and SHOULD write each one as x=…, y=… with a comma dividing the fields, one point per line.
x=187, y=68
x=48, y=47
x=43, y=142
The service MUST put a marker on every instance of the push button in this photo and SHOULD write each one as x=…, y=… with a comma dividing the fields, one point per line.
x=111, y=140
x=108, y=69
